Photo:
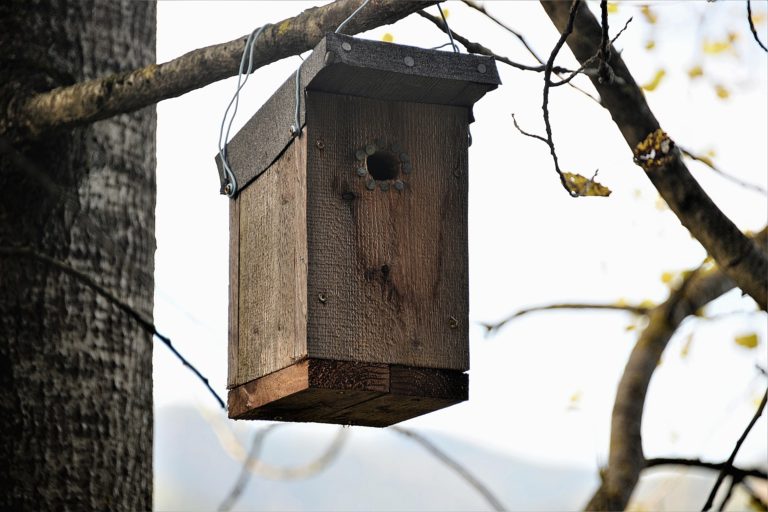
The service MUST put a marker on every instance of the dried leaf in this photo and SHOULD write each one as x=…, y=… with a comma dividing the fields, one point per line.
x=655, y=81
x=585, y=186
x=387, y=37
x=747, y=340
x=650, y=45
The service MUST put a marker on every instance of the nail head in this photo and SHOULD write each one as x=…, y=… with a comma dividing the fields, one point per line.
x=360, y=154
x=370, y=149
x=370, y=185
x=399, y=185
x=361, y=171
x=481, y=68
x=346, y=46
x=408, y=61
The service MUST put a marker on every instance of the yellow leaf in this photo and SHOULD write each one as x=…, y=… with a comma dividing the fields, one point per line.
x=613, y=8
x=650, y=45
x=648, y=304
x=705, y=159
x=757, y=17
x=621, y=302
x=655, y=81
x=387, y=37
x=695, y=72
x=667, y=277
x=711, y=153
x=747, y=340
x=648, y=14
x=686, y=347
x=631, y=327
x=715, y=47
x=722, y=92
x=585, y=187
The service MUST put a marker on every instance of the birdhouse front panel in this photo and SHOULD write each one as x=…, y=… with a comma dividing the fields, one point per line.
x=387, y=232
x=348, y=243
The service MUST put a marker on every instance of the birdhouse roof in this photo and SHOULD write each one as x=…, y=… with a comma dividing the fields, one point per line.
x=346, y=65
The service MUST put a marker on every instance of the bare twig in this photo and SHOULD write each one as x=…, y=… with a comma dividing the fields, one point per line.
x=752, y=26
x=478, y=48
x=729, y=462
x=729, y=493
x=604, y=71
x=637, y=310
x=731, y=470
x=139, y=317
x=575, y=4
x=90, y=101
x=734, y=179
x=244, y=476
x=440, y=455
x=527, y=134
x=518, y=35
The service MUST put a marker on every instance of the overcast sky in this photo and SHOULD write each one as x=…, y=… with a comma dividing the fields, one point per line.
x=543, y=387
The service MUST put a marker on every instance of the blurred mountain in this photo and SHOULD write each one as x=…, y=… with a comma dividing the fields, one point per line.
x=377, y=469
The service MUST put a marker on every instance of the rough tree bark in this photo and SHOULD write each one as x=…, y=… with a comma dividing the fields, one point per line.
x=75, y=372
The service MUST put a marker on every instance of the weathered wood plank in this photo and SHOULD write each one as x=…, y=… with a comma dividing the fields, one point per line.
x=388, y=273
x=234, y=298
x=272, y=267
x=347, y=393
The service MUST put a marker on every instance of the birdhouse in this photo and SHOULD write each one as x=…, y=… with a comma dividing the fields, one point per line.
x=348, y=241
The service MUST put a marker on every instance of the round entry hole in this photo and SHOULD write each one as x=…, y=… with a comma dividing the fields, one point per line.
x=383, y=166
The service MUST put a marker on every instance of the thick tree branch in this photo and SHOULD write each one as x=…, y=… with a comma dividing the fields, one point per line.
x=736, y=254
x=86, y=102
x=625, y=459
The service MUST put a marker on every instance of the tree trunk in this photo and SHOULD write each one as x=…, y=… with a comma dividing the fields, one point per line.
x=76, y=372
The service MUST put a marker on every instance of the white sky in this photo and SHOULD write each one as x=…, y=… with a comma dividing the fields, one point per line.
x=530, y=244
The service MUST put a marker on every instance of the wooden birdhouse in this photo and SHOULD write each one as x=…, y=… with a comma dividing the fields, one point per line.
x=348, y=243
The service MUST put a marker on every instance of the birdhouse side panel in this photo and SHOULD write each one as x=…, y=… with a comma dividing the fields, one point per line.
x=387, y=232
x=272, y=270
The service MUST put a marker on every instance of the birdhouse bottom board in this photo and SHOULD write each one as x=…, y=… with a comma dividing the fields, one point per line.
x=348, y=261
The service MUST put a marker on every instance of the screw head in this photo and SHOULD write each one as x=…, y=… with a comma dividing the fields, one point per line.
x=370, y=149
x=408, y=61
x=452, y=322
x=481, y=68
x=370, y=185
x=399, y=185
x=361, y=171
x=360, y=154
x=346, y=47
x=407, y=167
x=384, y=186
x=228, y=189
x=322, y=298
x=320, y=144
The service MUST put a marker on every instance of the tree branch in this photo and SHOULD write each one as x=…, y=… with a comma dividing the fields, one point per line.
x=86, y=102
x=706, y=161
x=626, y=460
x=715, y=466
x=736, y=254
x=752, y=26
x=729, y=463
x=637, y=310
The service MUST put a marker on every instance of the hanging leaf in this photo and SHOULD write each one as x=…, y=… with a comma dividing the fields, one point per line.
x=648, y=14
x=695, y=72
x=585, y=186
x=387, y=37
x=655, y=81
x=747, y=340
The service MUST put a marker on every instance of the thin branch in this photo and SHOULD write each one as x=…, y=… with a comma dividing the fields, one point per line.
x=734, y=179
x=729, y=462
x=752, y=26
x=518, y=35
x=736, y=254
x=527, y=134
x=440, y=455
x=139, y=317
x=604, y=71
x=86, y=102
x=728, y=494
x=575, y=4
x=478, y=48
x=637, y=310
x=245, y=475
x=715, y=466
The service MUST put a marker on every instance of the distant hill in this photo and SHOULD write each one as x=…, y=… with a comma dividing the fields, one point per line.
x=377, y=470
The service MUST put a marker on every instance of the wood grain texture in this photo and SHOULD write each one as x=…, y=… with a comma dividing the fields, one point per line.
x=347, y=393
x=233, y=344
x=272, y=268
x=388, y=276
